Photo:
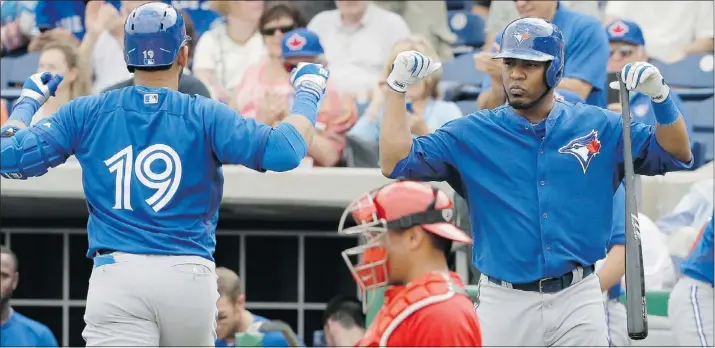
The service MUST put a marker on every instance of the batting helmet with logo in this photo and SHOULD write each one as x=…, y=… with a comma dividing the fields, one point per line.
x=154, y=34
x=536, y=40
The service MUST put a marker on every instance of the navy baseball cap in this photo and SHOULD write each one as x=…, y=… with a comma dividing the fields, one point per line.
x=625, y=31
x=301, y=43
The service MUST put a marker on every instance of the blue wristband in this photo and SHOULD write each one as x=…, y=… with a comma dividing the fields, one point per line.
x=24, y=110
x=306, y=104
x=666, y=112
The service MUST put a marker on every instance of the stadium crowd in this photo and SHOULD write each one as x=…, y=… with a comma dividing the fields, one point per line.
x=357, y=41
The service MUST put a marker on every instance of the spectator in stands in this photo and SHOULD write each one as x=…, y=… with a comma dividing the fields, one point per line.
x=18, y=21
x=17, y=330
x=188, y=84
x=200, y=13
x=102, y=47
x=233, y=317
x=61, y=21
x=62, y=58
x=357, y=38
x=586, y=55
x=310, y=8
x=502, y=13
x=224, y=52
x=3, y=112
x=672, y=29
x=426, y=18
x=266, y=94
x=343, y=322
x=428, y=112
x=628, y=46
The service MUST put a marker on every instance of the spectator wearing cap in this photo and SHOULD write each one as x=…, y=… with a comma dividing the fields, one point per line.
x=586, y=55
x=672, y=29
x=426, y=111
x=628, y=46
x=266, y=94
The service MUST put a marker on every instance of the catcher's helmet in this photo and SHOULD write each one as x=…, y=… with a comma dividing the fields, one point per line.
x=154, y=33
x=537, y=40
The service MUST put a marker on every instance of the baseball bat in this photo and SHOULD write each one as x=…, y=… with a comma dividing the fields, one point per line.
x=636, y=308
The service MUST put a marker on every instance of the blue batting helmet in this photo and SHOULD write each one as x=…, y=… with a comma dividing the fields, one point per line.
x=537, y=40
x=153, y=36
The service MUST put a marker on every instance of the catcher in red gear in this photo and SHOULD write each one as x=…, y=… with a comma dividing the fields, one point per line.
x=406, y=233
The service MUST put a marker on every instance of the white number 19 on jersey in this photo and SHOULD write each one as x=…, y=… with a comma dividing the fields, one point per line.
x=165, y=183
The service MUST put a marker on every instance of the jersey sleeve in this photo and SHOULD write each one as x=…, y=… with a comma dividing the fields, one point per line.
x=62, y=129
x=236, y=139
x=433, y=155
x=589, y=56
x=649, y=158
x=618, y=227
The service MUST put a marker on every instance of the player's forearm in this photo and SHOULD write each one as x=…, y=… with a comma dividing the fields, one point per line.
x=671, y=131
x=395, y=134
x=613, y=268
x=491, y=98
x=322, y=150
x=581, y=88
x=86, y=48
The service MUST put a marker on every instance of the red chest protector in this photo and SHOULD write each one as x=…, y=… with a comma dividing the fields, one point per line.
x=403, y=301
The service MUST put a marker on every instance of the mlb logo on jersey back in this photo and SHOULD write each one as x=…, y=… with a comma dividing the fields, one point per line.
x=152, y=98
x=584, y=148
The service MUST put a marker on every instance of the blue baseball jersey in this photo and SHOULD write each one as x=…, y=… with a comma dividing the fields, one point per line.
x=618, y=231
x=64, y=14
x=21, y=331
x=541, y=195
x=151, y=163
x=586, y=55
x=200, y=12
x=699, y=264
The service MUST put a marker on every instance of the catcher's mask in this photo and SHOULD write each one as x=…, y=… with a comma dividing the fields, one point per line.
x=394, y=207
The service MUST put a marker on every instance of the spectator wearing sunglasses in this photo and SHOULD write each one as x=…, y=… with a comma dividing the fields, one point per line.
x=627, y=45
x=266, y=94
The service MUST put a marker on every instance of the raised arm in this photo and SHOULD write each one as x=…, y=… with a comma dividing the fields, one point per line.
x=665, y=147
x=28, y=152
x=237, y=140
x=427, y=157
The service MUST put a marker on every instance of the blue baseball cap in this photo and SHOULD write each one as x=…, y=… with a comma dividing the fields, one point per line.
x=301, y=43
x=625, y=31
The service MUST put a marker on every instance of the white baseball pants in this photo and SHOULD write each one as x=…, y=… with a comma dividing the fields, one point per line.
x=150, y=300
x=690, y=312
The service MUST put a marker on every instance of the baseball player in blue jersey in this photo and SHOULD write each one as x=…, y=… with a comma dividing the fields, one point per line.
x=690, y=306
x=151, y=162
x=539, y=176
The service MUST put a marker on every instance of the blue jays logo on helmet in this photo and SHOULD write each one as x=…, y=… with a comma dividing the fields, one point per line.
x=584, y=148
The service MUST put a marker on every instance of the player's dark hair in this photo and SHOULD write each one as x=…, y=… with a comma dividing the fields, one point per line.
x=280, y=9
x=5, y=250
x=346, y=310
x=440, y=243
x=151, y=68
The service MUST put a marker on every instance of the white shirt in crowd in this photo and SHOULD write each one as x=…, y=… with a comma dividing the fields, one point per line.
x=357, y=55
x=667, y=25
x=228, y=60
x=658, y=269
x=108, y=52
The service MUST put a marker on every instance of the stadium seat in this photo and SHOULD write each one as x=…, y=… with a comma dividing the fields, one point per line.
x=692, y=77
x=701, y=117
x=460, y=79
x=16, y=70
x=469, y=29
x=467, y=106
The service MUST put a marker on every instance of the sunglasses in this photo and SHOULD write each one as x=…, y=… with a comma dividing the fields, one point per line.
x=623, y=51
x=272, y=31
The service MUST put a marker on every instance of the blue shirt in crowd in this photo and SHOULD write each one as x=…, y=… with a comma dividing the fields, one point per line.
x=21, y=331
x=270, y=339
x=64, y=14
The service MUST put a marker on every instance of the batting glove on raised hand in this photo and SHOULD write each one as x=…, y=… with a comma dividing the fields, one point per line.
x=311, y=78
x=39, y=87
x=644, y=78
x=410, y=67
